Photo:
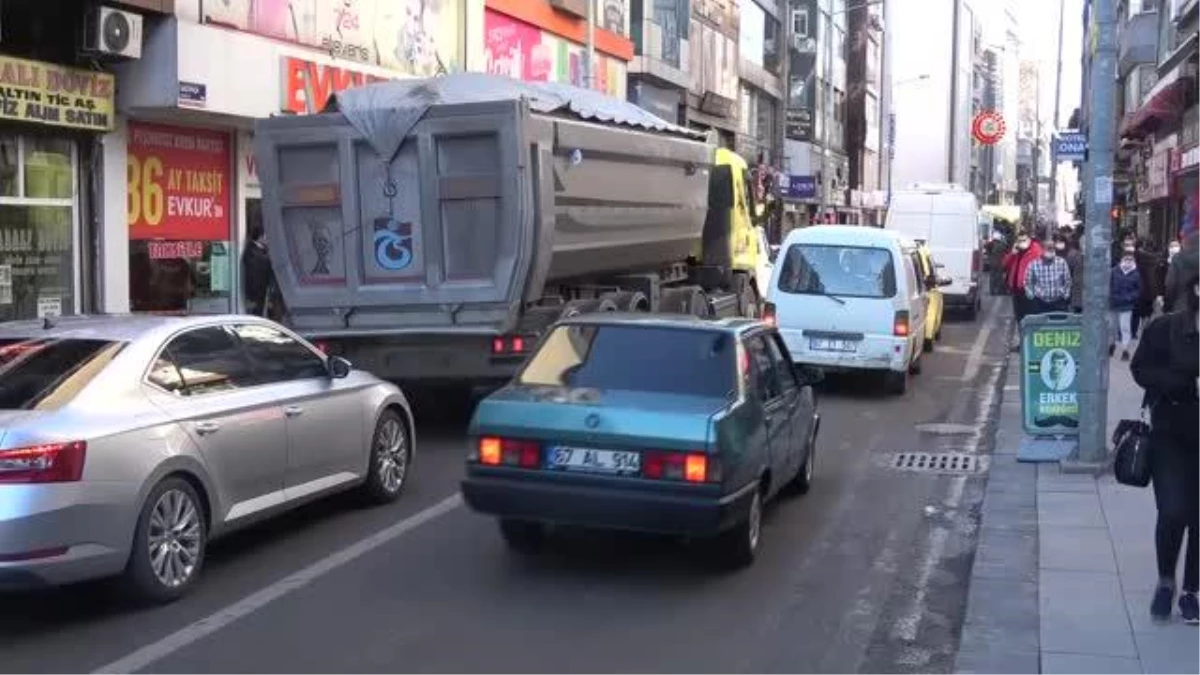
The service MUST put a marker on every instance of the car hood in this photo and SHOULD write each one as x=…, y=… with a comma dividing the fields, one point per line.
x=600, y=417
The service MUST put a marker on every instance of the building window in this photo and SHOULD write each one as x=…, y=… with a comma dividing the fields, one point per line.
x=800, y=23
x=38, y=184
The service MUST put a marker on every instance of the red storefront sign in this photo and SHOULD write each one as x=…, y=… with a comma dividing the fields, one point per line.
x=178, y=183
x=307, y=86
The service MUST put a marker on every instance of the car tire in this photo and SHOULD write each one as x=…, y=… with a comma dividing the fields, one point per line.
x=174, y=525
x=738, y=546
x=523, y=536
x=390, y=459
x=927, y=346
x=896, y=383
x=915, y=367
x=803, y=481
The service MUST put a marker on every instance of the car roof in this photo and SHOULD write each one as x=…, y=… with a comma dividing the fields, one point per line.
x=734, y=325
x=846, y=235
x=114, y=327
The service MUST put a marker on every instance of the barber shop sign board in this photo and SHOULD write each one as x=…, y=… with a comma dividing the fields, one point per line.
x=1050, y=355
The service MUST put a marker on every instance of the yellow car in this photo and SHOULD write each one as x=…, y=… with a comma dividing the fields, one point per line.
x=935, y=301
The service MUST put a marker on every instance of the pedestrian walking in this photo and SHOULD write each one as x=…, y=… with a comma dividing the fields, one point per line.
x=257, y=275
x=1069, y=249
x=1148, y=262
x=1016, y=263
x=1182, y=266
x=1167, y=366
x=1124, y=289
x=1048, y=282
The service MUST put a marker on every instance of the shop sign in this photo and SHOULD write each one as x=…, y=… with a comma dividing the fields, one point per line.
x=799, y=124
x=170, y=250
x=193, y=95
x=799, y=187
x=1187, y=158
x=307, y=86
x=412, y=37
x=525, y=52
x=178, y=183
x=1050, y=352
x=45, y=93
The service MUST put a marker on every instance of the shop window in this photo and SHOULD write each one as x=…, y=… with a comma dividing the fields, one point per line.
x=37, y=227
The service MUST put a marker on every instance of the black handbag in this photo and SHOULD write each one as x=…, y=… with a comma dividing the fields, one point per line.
x=1131, y=439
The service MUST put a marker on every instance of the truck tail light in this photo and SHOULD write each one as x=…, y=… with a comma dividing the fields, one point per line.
x=900, y=327
x=496, y=451
x=688, y=467
x=511, y=345
x=48, y=463
x=768, y=314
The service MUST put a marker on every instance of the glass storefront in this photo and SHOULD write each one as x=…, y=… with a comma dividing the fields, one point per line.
x=38, y=216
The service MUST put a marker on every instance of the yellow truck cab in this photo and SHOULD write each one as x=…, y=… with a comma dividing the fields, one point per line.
x=731, y=240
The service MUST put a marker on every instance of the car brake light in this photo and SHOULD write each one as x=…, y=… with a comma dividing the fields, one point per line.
x=495, y=451
x=48, y=463
x=497, y=345
x=518, y=344
x=768, y=314
x=690, y=467
x=510, y=346
x=322, y=347
x=900, y=325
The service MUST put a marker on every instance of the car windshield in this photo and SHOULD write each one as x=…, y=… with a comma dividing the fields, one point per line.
x=635, y=358
x=46, y=373
x=841, y=271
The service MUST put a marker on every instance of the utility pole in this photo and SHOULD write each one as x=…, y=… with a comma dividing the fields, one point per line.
x=785, y=76
x=589, y=55
x=1037, y=147
x=1093, y=371
x=1056, y=125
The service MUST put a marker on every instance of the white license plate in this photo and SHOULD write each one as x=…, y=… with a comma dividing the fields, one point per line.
x=832, y=345
x=596, y=461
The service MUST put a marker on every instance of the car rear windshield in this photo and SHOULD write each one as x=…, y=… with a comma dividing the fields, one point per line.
x=46, y=373
x=636, y=358
x=843, y=271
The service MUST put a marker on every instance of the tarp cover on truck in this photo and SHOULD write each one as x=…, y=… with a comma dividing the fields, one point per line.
x=385, y=112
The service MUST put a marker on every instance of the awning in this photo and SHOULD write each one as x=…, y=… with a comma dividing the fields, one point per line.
x=1006, y=212
x=1165, y=102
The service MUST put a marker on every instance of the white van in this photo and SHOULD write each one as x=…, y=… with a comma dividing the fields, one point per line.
x=945, y=218
x=850, y=297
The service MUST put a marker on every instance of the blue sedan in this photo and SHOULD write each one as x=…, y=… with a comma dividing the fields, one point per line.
x=669, y=425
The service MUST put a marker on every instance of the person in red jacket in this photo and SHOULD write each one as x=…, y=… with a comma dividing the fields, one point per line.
x=1024, y=252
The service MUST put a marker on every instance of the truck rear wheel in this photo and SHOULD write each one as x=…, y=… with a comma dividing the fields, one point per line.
x=577, y=307
x=628, y=301
x=690, y=300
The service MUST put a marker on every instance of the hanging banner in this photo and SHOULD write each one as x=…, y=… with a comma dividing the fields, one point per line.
x=45, y=93
x=178, y=183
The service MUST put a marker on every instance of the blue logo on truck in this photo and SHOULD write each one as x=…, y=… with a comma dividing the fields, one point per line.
x=393, y=244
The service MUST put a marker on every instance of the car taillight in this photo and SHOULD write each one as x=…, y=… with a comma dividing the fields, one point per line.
x=689, y=467
x=768, y=314
x=900, y=325
x=511, y=345
x=495, y=451
x=322, y=347
x=48, y=463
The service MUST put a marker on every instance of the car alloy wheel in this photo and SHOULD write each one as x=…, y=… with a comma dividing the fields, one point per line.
x=173, y=538
x=392, y=454
x=754, y=522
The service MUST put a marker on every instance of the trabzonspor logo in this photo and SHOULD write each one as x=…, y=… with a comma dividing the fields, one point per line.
x=393, y=244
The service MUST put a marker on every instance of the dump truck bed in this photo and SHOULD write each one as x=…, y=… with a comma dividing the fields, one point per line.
x=446, y=205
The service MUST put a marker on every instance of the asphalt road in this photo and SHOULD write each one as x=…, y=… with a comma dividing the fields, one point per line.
x=867, y=572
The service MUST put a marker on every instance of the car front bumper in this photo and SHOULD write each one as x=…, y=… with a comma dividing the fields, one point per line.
x=61, y=533
x=507, y=494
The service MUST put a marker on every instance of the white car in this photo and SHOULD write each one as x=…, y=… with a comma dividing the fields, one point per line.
x=850, y=298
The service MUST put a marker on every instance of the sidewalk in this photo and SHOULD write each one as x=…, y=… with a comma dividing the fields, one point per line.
x=1065, y=565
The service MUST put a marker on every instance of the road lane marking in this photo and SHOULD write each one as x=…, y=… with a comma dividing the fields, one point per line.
x=214, y=622
x=975, y=358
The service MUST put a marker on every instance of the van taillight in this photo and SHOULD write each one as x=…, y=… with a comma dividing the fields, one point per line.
x=495, y=451
x=900, y=326
x=47, y=463
x=689, y=467
x=511, y=345
x=768, y=314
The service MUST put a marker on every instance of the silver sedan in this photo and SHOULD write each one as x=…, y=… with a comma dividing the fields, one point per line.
x=127, y=443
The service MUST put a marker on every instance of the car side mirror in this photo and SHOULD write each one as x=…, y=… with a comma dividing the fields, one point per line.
x=338, y=367
x=808, y=375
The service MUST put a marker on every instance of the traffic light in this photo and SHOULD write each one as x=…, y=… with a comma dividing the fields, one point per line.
x=1116, y=212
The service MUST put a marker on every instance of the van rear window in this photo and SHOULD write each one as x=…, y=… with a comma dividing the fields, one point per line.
x=843, y=271
x=46, y=373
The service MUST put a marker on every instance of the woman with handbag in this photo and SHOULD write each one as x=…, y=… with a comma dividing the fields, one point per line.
x=1166, y=366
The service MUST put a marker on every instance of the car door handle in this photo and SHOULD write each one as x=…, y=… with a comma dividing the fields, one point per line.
x=206, y=428
x=293, y=411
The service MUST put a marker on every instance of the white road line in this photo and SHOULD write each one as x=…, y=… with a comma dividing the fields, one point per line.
x=214, y=622
x=975, y=358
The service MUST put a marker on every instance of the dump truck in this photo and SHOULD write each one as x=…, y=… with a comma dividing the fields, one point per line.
x=430, y=230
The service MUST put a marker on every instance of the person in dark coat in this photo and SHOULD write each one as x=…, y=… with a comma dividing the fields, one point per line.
x=1124, y=289
x=257, y=275
x=1167, y=366
x=1182, y=266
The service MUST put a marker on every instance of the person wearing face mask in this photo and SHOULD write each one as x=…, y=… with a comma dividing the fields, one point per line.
x=1074, y=257
x=1048, y=282
x=1124, y=288
x=1167, y=366
x=1183, y=265
x=1015, y=264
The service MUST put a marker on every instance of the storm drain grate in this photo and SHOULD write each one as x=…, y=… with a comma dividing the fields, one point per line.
x=936, y=462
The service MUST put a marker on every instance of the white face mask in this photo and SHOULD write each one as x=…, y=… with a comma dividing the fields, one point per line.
x=1171, y=251
x=1127, y=264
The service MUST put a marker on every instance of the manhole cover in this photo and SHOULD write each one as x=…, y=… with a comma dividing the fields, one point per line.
x=936, y=462
x=946, y=428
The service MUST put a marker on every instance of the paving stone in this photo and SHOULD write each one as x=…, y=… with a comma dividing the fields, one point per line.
x=1051, y=479
x=1075, y=548
x=1169, y=651
x=1057, y=662
x=1083, y=613
x=1007, y=554
x=973, y=661
x=1069, y=508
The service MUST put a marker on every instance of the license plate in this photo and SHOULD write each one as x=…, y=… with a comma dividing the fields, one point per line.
x=594, y=461
x=832, y=345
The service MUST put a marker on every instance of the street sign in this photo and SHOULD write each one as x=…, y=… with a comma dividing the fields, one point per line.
x=1050, y=354
x=988, y=127
x=1070, y=146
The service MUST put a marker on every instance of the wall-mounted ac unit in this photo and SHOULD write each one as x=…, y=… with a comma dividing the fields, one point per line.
x=112, y=32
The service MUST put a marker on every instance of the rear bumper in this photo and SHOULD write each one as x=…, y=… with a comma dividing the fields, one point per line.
x=508, y=495
x=428, y=359
x=875, y=352
x=957, y=296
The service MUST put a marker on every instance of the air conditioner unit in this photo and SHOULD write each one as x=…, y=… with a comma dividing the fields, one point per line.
x=112, y=32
